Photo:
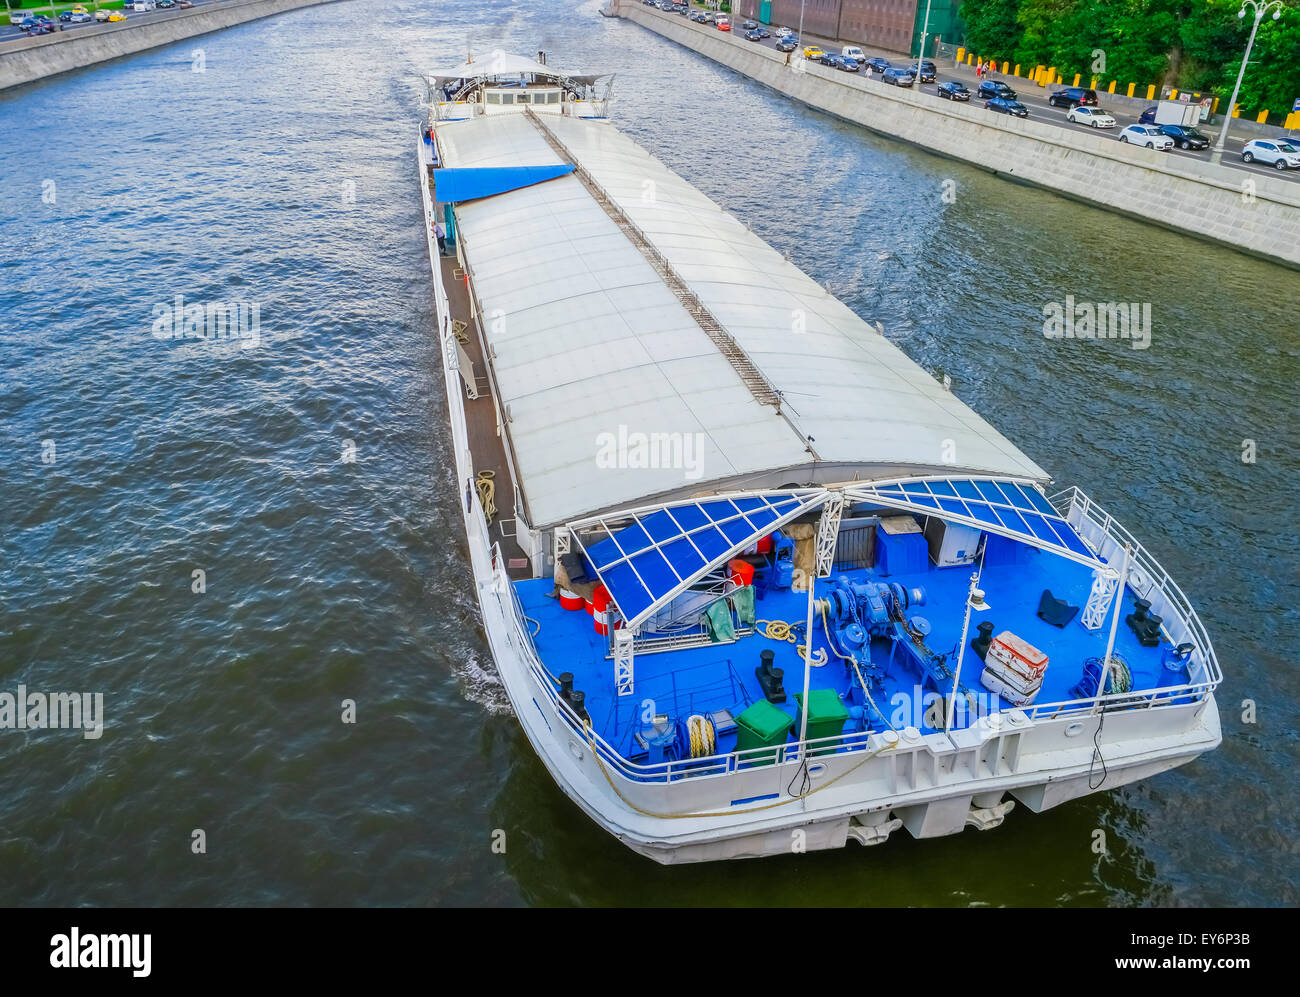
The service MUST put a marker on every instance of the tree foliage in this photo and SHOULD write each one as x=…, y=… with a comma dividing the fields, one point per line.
x=1189, y=44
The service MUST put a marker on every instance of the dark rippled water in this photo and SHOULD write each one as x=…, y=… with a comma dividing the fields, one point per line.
x=283, y=175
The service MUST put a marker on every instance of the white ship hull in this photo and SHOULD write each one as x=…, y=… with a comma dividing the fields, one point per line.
x=931, y=785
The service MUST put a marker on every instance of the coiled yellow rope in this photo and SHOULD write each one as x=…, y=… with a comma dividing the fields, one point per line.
x=487, y=489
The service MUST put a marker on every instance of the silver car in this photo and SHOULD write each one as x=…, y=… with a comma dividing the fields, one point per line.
x=1279, y=154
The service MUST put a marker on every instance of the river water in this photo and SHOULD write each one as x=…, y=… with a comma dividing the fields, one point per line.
x=282, y=175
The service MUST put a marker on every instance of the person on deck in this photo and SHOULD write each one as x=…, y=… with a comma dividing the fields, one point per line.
x=441, y=237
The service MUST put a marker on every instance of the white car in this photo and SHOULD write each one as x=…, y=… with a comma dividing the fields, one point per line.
x=1095, y=117
x=1147, y=135
x=854, y=53
x=1279, y=154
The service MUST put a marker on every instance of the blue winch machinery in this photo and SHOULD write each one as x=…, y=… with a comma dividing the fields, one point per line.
x=856, y=612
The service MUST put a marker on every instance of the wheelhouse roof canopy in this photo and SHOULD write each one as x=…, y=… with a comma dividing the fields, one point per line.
x=666, y=550
x=501, y=63
x=1007, y=507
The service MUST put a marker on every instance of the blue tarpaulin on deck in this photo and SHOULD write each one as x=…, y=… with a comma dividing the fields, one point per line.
x=454, y=185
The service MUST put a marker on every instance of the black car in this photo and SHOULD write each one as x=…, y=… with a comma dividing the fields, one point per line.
x=878, y=65
x=923, y=70
x=764, y=32
x=989, y=89
x=1003, y=105
x=1073, y=97
x=788, y=44
x=953, y=90
x=753, y=26
x=897, y=76
x=1186, y=137
x=1148, y=117
x=754, y=36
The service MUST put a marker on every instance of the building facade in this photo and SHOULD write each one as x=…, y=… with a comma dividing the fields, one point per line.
x=892, y=25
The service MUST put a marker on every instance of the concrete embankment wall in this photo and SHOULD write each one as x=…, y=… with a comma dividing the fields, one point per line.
x=1258, y=214
x=29, y=59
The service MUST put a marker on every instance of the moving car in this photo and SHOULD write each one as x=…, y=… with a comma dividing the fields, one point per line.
x=1186, y=137
x=878, y=65
x=1073, y=97
x=1280, y=155
x=854, y=53
x=37, y=25
x=897, y=76
x=846, y=64
x=750, y=25
x=722, y=22
x=102, y=15
x=73, y=12
x=116, y=15
x=923, y=70
x=989, y=89
x=1003, y=105
x=1094, y=117
x=813, y=52
x=953, y=90
x=753, y=36
x=787, y=44
x=1147, y=135
x=79, y=17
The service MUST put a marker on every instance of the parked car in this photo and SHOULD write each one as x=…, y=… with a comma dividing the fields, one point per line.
x=1280, y=155
x=1073, y=97
x=1003, y=105
x=878, y=65
x=898, y=76
x=988, y=89
x=854, y=53
x=1186, y=137
x=1094, y=117
x=789, y=44
x=953, y=90
x=923, y=70
x=1147, y=135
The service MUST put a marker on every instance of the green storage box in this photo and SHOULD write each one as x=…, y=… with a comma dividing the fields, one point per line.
x=826, y=716
x=762, y=726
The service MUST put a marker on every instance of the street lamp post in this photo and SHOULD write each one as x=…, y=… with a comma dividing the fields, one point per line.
x=1260, y=7
x=925, y=30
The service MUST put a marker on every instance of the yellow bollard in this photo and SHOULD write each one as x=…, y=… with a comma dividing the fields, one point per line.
x=1110, y=89
x=1236, y=113
x=961, y=54
x=1173, y=95
x=1076, y=83
x=1093, y=86
x=1130, y=93
x=1018, y=73
x=1261, y=119
x=968, y=62
x=1151, y=95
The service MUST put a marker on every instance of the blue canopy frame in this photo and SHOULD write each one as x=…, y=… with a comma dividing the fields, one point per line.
x=1005, y=506
x=667, y=549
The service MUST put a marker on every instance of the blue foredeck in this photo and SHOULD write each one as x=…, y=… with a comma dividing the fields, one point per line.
x=722, y=676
